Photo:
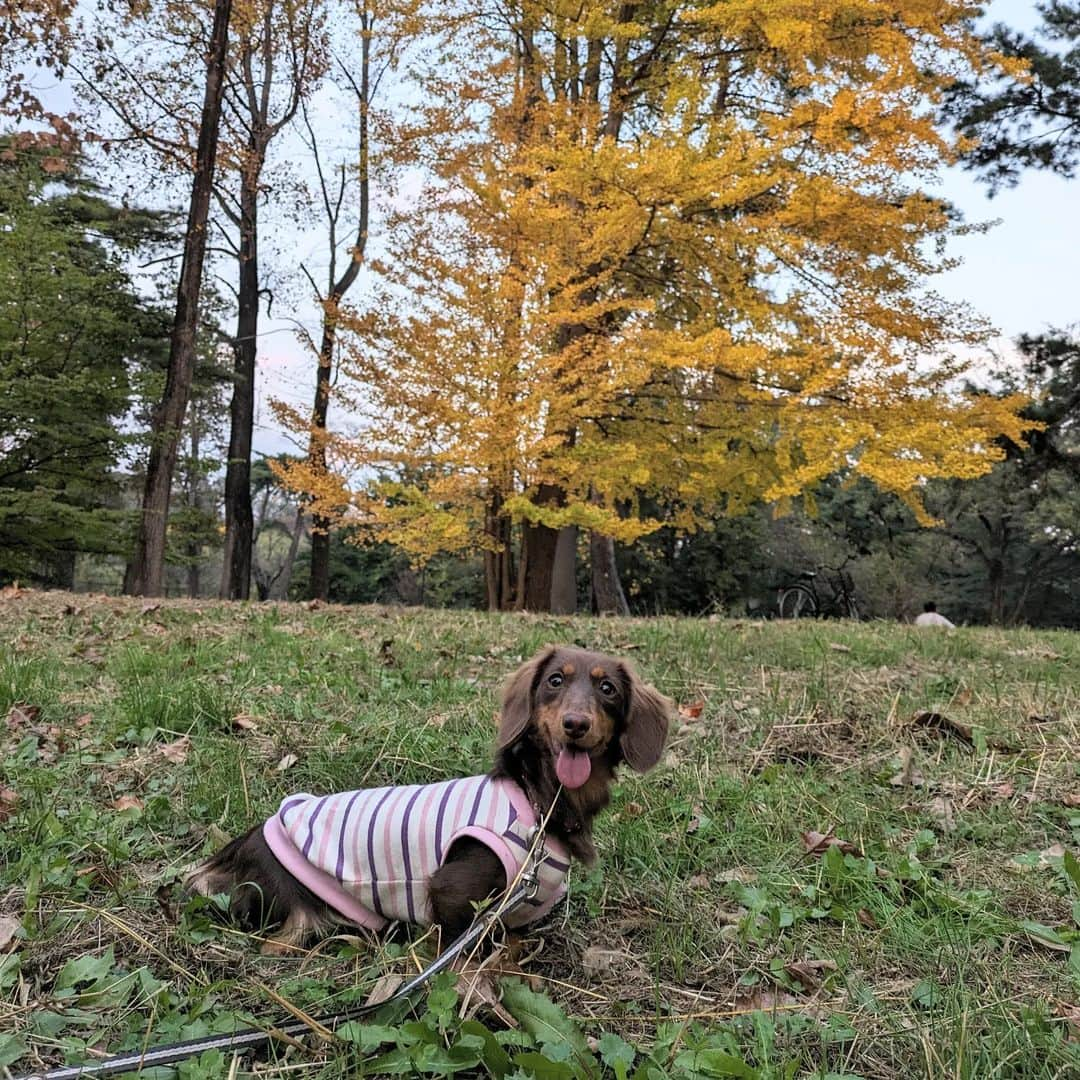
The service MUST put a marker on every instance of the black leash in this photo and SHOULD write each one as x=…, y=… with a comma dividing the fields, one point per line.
x=255, y=1038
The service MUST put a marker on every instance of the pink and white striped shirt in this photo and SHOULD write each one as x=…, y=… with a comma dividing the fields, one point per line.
x=369, y=854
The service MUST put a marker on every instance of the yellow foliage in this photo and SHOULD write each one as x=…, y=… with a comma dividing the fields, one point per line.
x=665, y=250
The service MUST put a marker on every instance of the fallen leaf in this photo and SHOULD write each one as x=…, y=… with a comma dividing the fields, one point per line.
x=698, y=881
x=245, y=722
x=1054, y=851
x=19, y=716
x=597, y=961
x=287, y=762
x=1005, y=790
x=384, y=988
x=943, y=725
x=866, y=918
x=808, y=972
x=766, y=1001
x=816, y=843
x=745, y=874
x=962, y=697
x=126, y=802
x=9, y=929
x=177, y=751
x=84, y=721
x=633, y=809
x=731, y=918
x=692, y=711
x=909, y=774
x=1071, y=800
x=8, y=801
x=941, y=809
x=837, y=647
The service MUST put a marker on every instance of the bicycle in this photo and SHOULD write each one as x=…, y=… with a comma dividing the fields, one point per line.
x=800, y=599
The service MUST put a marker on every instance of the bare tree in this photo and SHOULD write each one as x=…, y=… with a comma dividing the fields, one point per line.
x=146, y=573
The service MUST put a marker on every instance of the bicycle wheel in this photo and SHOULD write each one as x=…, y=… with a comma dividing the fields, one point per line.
x=797, y=602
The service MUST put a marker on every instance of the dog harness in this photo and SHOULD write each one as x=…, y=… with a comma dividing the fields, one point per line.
x=369, y=853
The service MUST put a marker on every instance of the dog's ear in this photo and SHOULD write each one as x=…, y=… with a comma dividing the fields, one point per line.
x=517, y=698
x=646, y=728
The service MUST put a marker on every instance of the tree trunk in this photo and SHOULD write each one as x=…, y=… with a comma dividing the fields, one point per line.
x=147, y=569
x=608, y=594
x=279, y=590
x=194, y=550
x=319, y=588
x=564, y=572
x=239, y=520
x=320, y=537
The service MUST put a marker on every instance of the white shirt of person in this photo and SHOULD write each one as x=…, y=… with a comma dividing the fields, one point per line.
x=932, y=618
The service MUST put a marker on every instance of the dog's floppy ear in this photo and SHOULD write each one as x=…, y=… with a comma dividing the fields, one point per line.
x=646, y=728
x=517, y=698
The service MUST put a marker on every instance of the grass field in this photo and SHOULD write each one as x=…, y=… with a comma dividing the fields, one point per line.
x=942, y=939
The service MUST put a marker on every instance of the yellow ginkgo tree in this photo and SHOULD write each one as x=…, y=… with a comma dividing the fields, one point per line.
x=671, y=250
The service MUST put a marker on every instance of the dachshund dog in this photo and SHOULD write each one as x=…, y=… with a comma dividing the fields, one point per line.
x=429, y=854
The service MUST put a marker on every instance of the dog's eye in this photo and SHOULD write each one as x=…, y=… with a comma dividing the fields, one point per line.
x=555, y=679
x=607, y=688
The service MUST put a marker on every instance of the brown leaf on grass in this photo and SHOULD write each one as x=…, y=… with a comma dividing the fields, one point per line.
x=866, y=918
x=816, y=843
x=766, y=1001
x=1050, y=718
x=20, y=716
x=941, y=809
x=940, y=723
x=244, y=722
x=126, y=802
x=962, y=697
x=1004, y=790
x=909, y=774
x=176, y=751
x=1054, y=851
x=837, y=647
x=85, y=720
x=384, y=988
x=1070, y=1013
x=691, y=711
x=808, y=973
x=633, y=809
x=745, y=874
x=9, y=929
x=597, y=962
x=9, y=799
x=287, y=762
x=1072, y=799
x=698, y=881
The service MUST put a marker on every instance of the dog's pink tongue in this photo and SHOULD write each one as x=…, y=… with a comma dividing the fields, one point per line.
x=572, y=767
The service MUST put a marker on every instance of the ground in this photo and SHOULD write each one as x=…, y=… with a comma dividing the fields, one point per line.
x=727, y=931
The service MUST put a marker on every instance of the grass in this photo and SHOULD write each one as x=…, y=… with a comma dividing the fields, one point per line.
x=945, y=941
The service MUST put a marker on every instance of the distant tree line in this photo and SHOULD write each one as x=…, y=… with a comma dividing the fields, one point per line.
x=607, y=329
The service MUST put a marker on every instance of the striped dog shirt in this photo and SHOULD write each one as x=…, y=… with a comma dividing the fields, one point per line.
x=369, y=854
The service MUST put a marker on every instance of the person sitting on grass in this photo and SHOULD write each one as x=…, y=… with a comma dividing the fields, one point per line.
x=930, y=617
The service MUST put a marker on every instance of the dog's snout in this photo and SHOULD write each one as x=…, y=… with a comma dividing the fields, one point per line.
x=575, y=724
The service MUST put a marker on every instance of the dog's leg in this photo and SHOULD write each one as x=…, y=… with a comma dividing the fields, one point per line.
x=470, y=874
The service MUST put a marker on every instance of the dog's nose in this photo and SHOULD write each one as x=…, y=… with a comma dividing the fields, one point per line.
x=575, y=725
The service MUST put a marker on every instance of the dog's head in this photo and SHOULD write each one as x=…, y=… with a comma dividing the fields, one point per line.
x=583, y=706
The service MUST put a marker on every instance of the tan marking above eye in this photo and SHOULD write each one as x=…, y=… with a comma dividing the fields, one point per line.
x=598, y=673
x=568, y=669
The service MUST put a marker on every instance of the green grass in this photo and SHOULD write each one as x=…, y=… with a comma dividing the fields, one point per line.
x=948, y=944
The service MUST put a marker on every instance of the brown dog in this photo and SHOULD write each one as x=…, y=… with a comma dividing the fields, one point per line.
x=432, y=853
